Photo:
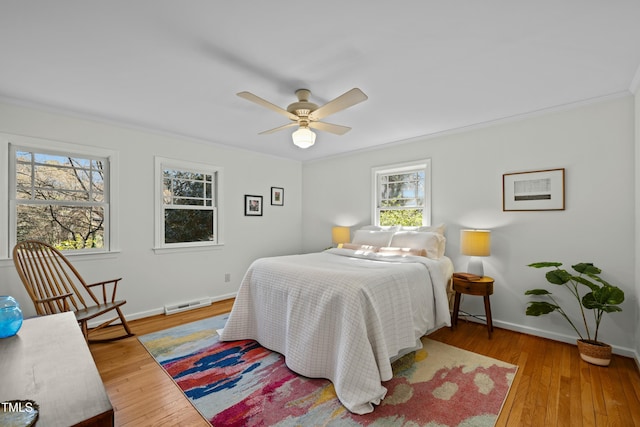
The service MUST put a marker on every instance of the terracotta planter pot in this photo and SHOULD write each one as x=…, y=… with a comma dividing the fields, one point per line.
x=595, y=352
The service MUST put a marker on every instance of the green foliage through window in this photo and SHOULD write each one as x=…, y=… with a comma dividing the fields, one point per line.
x=188, y=225
x=408, y=217
x=401, y=194
x=188, y=212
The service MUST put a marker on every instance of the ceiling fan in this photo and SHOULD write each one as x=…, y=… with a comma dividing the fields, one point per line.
x=306, y=115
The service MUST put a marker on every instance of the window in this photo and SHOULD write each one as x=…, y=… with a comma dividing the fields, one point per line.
x=59, y=195
x=187, y=204
x=402, y=194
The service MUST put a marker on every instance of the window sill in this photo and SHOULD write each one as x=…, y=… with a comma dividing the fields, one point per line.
x=193, y=248
x=8, y=262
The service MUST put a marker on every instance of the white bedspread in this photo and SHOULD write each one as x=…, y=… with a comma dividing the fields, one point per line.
x=342, y=315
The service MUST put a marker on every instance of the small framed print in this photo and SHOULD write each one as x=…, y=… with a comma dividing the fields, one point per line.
x=252, y=205
x=541, y=190
x=277, y=196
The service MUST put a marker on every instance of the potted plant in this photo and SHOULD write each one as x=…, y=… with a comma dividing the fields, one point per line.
x=601, y=298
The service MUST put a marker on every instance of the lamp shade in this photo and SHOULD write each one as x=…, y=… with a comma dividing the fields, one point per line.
x=304, y=137
x=475, y=242
x=340, y=235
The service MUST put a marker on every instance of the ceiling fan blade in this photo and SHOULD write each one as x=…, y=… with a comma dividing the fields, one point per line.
x=278, y=128
x=346, y=100
x=256, y=99
x=328, y=127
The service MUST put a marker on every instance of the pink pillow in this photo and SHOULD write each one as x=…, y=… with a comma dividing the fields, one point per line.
x=403, y=251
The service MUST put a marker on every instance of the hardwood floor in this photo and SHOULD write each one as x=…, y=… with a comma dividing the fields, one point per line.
x=141, y=393
x=553, y=386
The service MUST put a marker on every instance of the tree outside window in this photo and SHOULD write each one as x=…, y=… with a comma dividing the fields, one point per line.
x=61, y=199
x=187, y=204
x=401, y=196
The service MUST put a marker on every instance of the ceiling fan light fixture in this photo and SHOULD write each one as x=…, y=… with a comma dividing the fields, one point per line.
x=304, y=137
x=305, y=114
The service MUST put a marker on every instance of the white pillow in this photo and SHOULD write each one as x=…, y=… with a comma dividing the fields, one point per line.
x=379, y=228
x=372, y=237
x=440, y=228
x=433, y=242
x=371, y=228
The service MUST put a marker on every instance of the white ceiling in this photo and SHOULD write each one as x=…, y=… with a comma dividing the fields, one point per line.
x=427, y=66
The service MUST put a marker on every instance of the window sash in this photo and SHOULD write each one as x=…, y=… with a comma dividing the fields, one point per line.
x=173, y=228
x=34, y=164
x=179, y=188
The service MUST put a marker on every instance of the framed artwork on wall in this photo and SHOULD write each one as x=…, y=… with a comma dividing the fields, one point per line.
x=541, y=190
x=277, y=196
x=252, y=205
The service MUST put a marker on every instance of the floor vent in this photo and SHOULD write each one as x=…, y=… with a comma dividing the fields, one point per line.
x=177, y=308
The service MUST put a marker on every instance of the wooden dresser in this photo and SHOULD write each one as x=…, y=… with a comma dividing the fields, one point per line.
x=49, y=362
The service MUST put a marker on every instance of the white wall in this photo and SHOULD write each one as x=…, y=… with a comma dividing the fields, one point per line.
x=594, y=143
x=152, y=280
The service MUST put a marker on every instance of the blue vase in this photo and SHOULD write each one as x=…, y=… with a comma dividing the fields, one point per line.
x=10, y=316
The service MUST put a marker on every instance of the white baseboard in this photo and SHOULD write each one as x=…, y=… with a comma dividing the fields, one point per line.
x=569, y=339
x=160, y=310
x=224, y=297
x=623, y=351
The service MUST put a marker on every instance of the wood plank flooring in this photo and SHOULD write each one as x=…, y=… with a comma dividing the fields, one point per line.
x=553, y=386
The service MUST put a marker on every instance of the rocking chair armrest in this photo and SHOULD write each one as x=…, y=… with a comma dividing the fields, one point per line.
x=57, y=297
x=47, y=301
x=104, y=284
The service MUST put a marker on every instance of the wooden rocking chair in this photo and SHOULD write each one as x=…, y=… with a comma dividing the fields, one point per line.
x=53, y=282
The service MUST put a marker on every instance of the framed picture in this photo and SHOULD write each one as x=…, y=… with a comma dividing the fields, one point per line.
x=277, y=196
x=541, y=190
x=252, y=205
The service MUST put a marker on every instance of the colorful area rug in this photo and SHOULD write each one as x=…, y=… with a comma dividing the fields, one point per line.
x=240, y=383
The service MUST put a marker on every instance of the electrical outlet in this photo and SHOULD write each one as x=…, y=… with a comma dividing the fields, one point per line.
x=227, y=277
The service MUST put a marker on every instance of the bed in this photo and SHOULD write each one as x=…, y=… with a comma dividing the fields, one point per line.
x=344, y=314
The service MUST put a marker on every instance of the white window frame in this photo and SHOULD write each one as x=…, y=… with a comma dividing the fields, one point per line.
x=8, y=146
x=160, y=164
x=376, y=172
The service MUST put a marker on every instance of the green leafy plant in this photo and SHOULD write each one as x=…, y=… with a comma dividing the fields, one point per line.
x=406, y=217
x=601, y=298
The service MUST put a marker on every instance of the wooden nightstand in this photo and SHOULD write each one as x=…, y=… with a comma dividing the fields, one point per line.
x=483, y=287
